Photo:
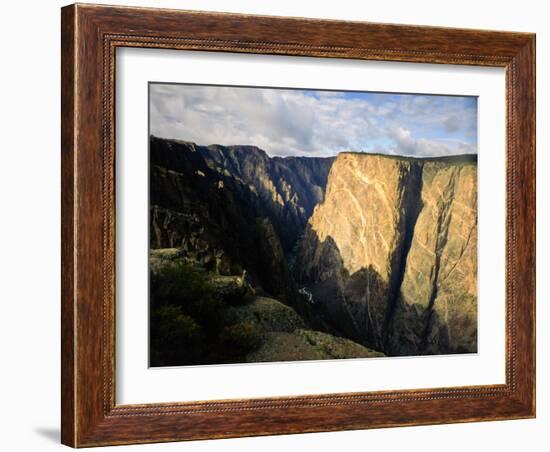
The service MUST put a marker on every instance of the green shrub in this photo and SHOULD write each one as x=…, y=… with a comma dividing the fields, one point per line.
x=182, y=284
x=175, y=337
x=179, y=281
x=240, y=338
x=187, y=317
x=238, y=296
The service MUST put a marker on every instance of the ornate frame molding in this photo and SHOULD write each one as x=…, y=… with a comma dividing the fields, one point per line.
x=90, y=37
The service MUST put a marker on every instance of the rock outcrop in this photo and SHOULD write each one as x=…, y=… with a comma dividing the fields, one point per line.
x=287, y=338
x=200, y=317
x=390, y=254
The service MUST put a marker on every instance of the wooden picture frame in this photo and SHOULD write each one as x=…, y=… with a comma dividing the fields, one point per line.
x=90, y=36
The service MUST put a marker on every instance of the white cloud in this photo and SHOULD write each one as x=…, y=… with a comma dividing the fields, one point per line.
x=405, y=144
x=315, y=123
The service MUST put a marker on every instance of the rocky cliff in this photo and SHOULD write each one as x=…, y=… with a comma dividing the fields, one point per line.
x=287, y=188
x=199, y=317
x=390, y=254
x=233, y=208
x=378, y=249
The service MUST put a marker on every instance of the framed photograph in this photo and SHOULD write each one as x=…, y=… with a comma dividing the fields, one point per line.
x=281, y=225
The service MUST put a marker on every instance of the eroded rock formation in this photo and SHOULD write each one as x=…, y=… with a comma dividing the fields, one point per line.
x=390, y=254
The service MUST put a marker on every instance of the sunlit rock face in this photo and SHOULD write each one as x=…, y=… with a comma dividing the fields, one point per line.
x=390, y=254
x=440, y=280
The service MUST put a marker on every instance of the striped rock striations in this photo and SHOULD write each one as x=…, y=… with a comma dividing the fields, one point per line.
x=390, y=255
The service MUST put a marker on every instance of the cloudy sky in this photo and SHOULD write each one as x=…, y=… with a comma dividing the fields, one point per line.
x=315, y=123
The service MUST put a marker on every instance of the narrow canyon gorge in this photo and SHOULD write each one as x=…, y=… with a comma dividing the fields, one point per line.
x=380, y=250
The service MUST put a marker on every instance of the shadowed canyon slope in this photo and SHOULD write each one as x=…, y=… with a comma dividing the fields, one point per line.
x=391, y=253
x=233, y=208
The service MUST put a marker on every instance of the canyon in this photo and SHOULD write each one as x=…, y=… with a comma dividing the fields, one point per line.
x=377, y=249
